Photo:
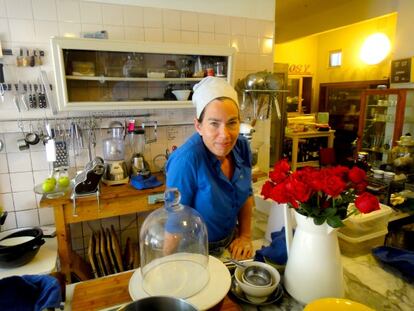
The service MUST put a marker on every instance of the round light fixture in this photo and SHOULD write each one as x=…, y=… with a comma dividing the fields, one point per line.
x=375, y=48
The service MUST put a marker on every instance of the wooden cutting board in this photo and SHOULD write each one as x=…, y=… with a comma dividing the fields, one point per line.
x=100, y=266
x=104, y=254
x=113, y=290
x=116, y=249
x=91, y=255
x=111, y=255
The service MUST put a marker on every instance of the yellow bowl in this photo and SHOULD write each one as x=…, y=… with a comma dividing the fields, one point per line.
x=329, y=304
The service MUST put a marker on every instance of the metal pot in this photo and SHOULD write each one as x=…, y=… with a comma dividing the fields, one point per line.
x=159, y=303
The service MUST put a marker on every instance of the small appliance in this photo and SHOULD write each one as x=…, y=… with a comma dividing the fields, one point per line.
x=116, y=171
x=138, y=164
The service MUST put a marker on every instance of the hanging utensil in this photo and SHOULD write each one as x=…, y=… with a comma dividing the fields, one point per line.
x=22, y=95
x=16, y=98
x=48, y=94
x=2, y=91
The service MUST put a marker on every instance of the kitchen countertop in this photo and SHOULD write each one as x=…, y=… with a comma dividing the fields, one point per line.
x=43, y=263
x=365, y=282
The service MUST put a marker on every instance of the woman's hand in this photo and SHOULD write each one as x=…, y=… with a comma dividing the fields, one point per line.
x=241, y=248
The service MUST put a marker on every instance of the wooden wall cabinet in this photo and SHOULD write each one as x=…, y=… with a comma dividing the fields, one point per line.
x=385, y=116
x=94, y=74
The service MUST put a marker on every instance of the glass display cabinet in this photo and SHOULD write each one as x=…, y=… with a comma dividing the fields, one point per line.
x=97, y=74
x=385, y=116
x=342, y=101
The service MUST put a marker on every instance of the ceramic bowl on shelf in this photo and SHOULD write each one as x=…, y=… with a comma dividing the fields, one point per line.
x=257, y=294
x=181, y=94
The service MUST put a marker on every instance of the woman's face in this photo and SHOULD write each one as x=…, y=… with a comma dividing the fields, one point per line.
x=220, y=126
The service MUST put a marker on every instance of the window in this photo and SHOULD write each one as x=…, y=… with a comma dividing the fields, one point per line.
x=335, y=58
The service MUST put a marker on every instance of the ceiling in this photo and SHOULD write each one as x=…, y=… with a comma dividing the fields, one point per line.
x=300, y=18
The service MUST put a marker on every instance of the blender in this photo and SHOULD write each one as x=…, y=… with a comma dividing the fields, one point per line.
x=116, y=171
x=138, y=164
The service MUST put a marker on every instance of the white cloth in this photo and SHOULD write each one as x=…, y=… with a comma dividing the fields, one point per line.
x=209, y=89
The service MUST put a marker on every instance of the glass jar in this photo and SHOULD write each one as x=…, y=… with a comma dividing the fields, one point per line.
x=134, y=66
x=174, y=250
x=171, y=70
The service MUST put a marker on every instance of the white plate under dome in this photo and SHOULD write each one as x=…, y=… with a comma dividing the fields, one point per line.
x=215, y=290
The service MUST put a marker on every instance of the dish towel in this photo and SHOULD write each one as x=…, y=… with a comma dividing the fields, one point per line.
x=140, y=183
x=276, y=251
x=398, y=259
x=29, y=293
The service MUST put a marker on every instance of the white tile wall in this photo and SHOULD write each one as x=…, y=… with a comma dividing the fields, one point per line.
x=24, y=200
x=27, y=218
x=91, y=13
x=21, y=181
x=3, y=11
x=6, y=201
x=5, y=186
x=32, y=22
x=3, y=163
x=19, y=162
x=68, y=11
x=19, y=9
x=44, y=10
x=112, y=15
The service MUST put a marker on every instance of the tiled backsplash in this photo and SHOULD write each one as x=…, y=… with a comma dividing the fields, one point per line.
x=30, y=23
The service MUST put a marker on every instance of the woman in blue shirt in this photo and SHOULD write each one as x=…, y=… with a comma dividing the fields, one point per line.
x=212, y=169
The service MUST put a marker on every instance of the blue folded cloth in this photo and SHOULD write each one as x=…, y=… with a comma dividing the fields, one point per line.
x=399, y=259
x=276, y=251
x=29, y=293
x=140, y=183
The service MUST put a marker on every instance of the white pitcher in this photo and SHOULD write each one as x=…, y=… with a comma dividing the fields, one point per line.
x=314, y=268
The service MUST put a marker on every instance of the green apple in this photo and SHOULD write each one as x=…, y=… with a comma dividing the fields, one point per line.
x=50, y=180
x=48, y=186
x=63, y=181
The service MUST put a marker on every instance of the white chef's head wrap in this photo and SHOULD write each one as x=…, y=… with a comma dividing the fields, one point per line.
x=209, y=89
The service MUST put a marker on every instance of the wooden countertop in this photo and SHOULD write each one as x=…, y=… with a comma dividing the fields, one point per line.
x=113, y=201
x=113, y=290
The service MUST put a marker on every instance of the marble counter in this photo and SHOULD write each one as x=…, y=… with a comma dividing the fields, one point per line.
x=367, y=282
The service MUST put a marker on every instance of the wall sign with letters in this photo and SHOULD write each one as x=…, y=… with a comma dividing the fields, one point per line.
x=299, y=69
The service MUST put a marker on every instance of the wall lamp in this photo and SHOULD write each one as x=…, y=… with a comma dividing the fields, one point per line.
x=375, y=48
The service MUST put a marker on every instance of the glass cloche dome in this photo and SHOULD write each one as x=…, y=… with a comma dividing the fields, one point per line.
x=174, y=250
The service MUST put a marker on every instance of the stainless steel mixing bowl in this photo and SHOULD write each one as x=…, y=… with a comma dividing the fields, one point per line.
x=159, y=303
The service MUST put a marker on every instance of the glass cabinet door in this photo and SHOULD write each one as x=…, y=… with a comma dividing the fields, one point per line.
x=385, y=116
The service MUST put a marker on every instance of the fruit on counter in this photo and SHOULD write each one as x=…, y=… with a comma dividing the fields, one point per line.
x=63, y=181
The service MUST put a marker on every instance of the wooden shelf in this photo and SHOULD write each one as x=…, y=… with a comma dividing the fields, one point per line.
x=330, y=135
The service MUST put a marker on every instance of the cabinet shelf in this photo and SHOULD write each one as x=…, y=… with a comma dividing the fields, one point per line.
x=131, y=79
x=375, y=150
x=115, y=91
x=379, y=106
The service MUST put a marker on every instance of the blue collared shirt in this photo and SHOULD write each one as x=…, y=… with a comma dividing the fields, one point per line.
x=197, y=174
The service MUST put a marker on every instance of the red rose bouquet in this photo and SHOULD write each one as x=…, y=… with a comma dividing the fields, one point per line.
x=323, y=194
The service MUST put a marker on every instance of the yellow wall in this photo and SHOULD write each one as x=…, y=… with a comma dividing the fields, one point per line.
x=299, y=52
x=314, y=50
x=349, y=40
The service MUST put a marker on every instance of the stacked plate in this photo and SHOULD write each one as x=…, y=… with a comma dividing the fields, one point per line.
x=239, y=294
